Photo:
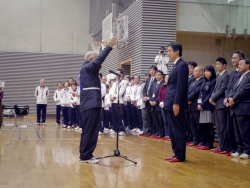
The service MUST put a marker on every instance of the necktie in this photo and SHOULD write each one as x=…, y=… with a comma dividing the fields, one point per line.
x=150, y=83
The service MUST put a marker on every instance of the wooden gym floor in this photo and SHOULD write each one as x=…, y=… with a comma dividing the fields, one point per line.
x=26, y=161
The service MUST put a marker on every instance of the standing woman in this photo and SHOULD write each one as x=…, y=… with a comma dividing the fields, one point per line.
x=64, y=99
x=1, y=110
x=161, y=96
x=56, y=98
x=207, y=109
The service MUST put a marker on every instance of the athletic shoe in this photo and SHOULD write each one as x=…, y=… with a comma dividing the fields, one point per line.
x=64, y=126
x=134, y=130
x=93, y=161
x=68, y=127
x=77, y=128
x=244, y=156
x=57, y=124
x=100, y=133
x=122, y=133
x=112, y=133
x=43, y=124
x=106, y=130
x=37, y=123
x=236, y=155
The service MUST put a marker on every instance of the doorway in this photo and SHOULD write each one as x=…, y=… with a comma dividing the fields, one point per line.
x=126, y=66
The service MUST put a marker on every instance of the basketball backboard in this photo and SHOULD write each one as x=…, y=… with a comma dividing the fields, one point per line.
x=107, y=28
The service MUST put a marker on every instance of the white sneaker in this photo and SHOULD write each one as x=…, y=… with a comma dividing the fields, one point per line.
x=106, y=130
x=112, y=133
x=37, y=123
x=64, y=126
x=244, y=156
x=140, y=132
x=134, y=130
x=122, y=133
x=77, y=128
x=56, y=124
x=43, y=124
x=68, y=127
x=236, y=155
x=93, y=161
x=100, y=133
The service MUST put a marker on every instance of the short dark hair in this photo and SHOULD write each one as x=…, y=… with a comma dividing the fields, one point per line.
x=160, y=72
x=71, y=79
x=59, y=83
x=240, y=54
x=153, y=67
x=107, y=86
x=121, y=71
x=74, y=84
x=147, y=74
x=176, y=46
x=247, y=60
x=221, y=60
x=211, y=69
x=192, y=63
x=100, y=74
x=162, y=48
x=137, y=75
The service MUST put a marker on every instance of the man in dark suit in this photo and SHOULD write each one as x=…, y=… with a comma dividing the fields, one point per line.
x=236, y=57
x=176, y=102
x=217, y=99
x=191, y=79
x=155, y=108
x=90, y=102
x=146, y=112
x=239, y=101
x=194, y=113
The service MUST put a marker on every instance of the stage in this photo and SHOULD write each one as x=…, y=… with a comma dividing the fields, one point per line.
x=48, y=156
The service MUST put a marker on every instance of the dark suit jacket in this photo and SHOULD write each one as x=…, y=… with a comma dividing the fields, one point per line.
x=218, y=94
x=241, y=96
x=146, y=89
x=190, y=80
x=89, y=78
x=177, y=86
x=207, y=88
x=193, y=94
x=154, y=92
x=232, y=79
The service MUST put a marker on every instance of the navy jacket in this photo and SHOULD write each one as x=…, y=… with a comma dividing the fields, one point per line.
x=232, y=79
x=177, y=87
x=193, y=94
x=154, y=92
x=241, y=96
x=207, y=88
x=218, y=94
x=89, y=78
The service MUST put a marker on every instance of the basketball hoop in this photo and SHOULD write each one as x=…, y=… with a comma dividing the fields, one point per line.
x=95, y=46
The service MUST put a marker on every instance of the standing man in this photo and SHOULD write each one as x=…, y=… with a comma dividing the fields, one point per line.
x=162, y=60
x=41, y=94
x=236, y=57
x=1, y=110
x=194, y=113
x=155, y=108
x=146, y=112
x=239, y=101
x=176, y=102
x=117, y=109
x=91, y=103
x=191, y=79
x=217, y=99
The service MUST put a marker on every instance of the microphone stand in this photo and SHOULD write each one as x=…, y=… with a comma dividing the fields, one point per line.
x=116, y=151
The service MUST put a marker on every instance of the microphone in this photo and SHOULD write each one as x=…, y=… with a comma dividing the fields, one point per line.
x=115, y=73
